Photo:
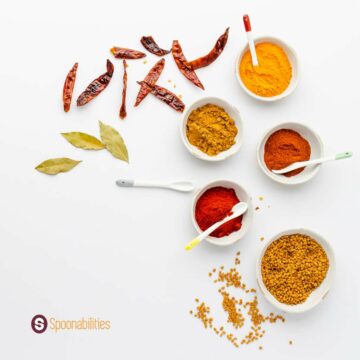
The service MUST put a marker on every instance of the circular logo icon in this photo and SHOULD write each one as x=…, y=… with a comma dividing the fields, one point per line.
x=39, y=323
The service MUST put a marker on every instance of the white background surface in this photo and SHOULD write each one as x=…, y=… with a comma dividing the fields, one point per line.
x=75, y=245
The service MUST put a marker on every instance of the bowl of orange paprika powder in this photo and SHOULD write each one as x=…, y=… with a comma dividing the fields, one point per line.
x=285, y=144
x=213, y=203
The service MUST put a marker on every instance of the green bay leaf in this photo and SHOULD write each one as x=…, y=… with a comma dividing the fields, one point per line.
x=57, y=165
x=83, y=141
x=113, y=141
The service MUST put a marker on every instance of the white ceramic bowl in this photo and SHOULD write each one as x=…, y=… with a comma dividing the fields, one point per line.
x=317, y=150
x=243, y=195
x=234, y=114
x=293, y=61
x=319, y=293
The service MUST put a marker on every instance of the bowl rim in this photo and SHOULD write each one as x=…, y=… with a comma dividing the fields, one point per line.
x=299, y=308
x=238, y=122
x=250, y=211
x=283, y=179
x=295, y=64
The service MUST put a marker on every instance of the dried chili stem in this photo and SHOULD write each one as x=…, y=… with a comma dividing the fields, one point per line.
x=122, y=113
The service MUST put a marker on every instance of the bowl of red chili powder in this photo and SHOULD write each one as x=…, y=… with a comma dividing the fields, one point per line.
x=214, y=202
x=285, y=144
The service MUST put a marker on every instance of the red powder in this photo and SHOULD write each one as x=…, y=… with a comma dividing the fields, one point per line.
x=215, y=204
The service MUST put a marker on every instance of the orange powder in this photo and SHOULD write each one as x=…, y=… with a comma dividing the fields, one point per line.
x=272, y=76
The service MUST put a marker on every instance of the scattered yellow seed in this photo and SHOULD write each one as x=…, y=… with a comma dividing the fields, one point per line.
x=174, y=86
x=257, y=208
x=180, y=96
x=145, y=61
x=261, y=198
x=262, y=238
x=290, y=342
x=236, y=309
x=169, y=81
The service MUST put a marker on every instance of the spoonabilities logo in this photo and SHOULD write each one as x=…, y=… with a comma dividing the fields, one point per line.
x=39, y=323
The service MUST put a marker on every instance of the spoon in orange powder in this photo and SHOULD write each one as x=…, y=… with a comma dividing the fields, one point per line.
x=301, y=164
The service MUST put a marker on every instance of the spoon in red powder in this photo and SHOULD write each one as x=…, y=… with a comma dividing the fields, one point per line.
x=237, y=210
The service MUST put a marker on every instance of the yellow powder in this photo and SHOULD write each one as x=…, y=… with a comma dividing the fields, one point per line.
x=272, y=76
x=211, y=129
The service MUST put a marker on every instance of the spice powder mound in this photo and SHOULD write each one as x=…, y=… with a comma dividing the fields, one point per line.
x=211, y=129
x=273, y=75
x=292, y=267
x=283, y=148
x=214, y=205
x=238, y=310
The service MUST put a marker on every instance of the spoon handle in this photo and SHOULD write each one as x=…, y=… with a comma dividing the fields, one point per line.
x=340, y=156
x=343, y=155
x=182, y=186
x=301, y=164
x=196, y=241
x=150, y=184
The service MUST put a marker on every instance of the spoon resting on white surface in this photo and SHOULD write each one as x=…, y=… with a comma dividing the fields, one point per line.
x=237, y=210
x=183, y=186
x=300, y=164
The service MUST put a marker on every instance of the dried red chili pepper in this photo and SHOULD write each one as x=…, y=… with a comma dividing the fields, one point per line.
x=124, y=53
x=151, y=79
x=165, y=95
x=69, y=87
x=150, y=45
x=123, y=101
x=181, y=63
x=96, y=86
x=212, y=55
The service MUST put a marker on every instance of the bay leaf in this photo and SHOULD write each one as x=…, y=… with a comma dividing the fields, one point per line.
x=56, y=165
x=113, y=141
x=83, y=141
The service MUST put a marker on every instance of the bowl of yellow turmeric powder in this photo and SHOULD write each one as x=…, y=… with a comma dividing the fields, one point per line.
x=275, y=77
x=212, y=129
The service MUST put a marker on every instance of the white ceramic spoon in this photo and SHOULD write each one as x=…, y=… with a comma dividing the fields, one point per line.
x=238, y=209
x=300, y=164
x=183, y=186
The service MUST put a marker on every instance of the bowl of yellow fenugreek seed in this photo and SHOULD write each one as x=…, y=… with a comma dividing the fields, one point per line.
x=295, y=270
x=212, y=129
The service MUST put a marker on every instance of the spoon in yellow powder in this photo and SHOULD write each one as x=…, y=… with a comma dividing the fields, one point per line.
x=250, y=40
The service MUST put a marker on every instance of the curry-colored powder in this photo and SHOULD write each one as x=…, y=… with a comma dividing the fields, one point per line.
x=211, y=129
x=283, y=148
x=272, y=76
